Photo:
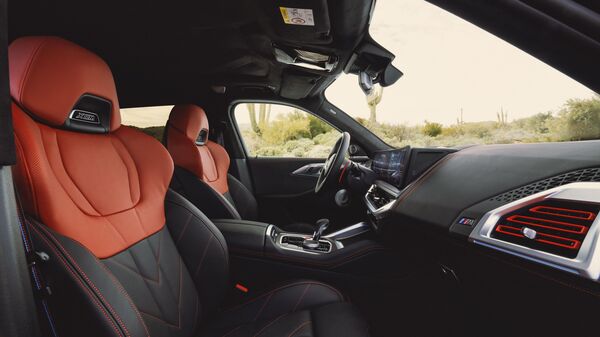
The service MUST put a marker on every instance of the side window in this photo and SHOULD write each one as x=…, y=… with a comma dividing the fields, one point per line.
x=277, y=130
x=151, y=119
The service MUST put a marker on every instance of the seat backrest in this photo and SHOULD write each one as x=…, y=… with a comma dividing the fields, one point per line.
x=94, y=193
x=201, y=165
x=187, y=141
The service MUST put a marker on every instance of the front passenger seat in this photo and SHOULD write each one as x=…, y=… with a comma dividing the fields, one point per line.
x=201, y=167
x=128, y=256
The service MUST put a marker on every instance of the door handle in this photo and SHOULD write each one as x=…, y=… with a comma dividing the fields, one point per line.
x=310, y=170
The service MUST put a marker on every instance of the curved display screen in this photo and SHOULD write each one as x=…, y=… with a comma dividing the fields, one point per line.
x=390, y=165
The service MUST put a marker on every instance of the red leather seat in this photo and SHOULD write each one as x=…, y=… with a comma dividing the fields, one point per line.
x=128, y=256
x=201, y=167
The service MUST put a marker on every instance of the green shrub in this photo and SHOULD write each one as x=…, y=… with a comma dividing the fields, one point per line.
x=581, y=118
x=316, y=126
x=285, y=129
x=268, y=151
x=432, y=129
x=327, y=139
x=453, y=131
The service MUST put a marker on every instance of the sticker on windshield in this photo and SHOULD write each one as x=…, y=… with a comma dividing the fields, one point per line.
x=297, y=16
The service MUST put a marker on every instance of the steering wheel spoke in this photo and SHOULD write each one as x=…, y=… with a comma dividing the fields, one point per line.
x=335, y=159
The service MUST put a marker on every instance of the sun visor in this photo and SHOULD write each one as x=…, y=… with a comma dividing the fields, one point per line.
x=296, y=86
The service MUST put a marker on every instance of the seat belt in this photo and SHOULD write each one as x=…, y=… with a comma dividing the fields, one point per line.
x=218, y=133
x=34, y=259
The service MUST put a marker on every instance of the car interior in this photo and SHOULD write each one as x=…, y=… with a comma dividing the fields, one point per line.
x=108, y=231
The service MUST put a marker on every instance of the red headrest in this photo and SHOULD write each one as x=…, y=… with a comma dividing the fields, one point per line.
x=63, y=84
x=189, y=119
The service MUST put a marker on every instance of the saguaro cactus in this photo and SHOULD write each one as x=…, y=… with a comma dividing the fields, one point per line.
x=502, y=117
x=372, y=100
x=264, y=113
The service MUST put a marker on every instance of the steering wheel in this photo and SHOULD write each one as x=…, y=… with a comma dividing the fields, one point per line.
x=334, y=161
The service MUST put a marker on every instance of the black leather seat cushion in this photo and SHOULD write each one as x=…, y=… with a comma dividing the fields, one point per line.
x=301, y=308
x=238, y=203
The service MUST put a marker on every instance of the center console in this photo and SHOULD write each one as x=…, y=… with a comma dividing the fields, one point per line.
x=256, y=239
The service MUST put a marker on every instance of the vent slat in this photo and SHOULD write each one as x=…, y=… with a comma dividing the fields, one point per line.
x=549, y=224
x=541, y=237
x=564, y=212
x=553, y=226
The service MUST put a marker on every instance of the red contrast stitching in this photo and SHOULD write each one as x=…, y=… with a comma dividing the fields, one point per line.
x=299, y=328
x=90, y=283
x=341, y=297
x=74, y=276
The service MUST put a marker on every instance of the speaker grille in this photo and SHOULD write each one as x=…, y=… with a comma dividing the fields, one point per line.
x=584, y=175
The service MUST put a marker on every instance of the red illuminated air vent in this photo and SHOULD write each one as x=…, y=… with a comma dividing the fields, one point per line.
x=554, y=226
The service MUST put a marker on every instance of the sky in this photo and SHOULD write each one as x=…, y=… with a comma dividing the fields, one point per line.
x=450, y=64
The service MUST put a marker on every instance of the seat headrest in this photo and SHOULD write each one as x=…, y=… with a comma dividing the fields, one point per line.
x=190, y=120
x=63, y=85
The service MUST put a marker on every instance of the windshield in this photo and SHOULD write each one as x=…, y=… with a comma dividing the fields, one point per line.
x=463, y=86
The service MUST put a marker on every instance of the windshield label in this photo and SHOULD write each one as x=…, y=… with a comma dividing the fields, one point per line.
x=297, y=16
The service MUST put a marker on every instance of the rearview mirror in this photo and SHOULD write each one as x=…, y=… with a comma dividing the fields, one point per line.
x=365, y=82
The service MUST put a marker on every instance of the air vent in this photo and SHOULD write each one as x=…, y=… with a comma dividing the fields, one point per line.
x=584, y=175
x=553, y=226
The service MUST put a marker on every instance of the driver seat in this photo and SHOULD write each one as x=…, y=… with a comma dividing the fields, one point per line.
x=201, y=167
x=127, y=256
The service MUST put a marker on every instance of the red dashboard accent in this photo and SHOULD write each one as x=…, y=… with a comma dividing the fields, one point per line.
x=343, y=171
x=545, y=223
x=541, y=237
x=241, y=288
x=584, y=215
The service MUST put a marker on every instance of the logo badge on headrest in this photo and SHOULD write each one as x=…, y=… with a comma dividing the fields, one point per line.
x=85, y=116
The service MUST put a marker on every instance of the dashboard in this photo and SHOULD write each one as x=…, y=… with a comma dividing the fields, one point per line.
x=491, y=196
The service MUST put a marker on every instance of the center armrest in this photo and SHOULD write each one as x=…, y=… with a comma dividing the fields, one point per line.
x=243, y=234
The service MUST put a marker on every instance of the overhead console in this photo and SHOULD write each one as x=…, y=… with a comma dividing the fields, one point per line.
x=558, y=227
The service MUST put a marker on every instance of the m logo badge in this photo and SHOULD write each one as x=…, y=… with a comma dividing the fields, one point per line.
x=85, y=116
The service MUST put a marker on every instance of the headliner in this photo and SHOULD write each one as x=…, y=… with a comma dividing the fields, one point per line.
x=164, y=52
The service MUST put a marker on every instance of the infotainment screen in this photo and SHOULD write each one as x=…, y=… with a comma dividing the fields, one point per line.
x=390, y=165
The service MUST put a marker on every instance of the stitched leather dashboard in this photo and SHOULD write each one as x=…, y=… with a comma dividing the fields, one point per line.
x=473, y=175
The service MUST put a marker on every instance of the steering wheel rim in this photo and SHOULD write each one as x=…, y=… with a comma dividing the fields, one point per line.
x=335, y=159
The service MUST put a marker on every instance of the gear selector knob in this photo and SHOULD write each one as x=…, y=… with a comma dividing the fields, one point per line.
x=322, y=225
x=313, y=243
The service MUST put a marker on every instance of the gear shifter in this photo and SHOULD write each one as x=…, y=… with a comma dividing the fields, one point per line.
x=313, y=243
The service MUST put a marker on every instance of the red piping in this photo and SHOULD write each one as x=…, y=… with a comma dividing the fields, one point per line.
x=343, y=171
x=544, y=210
x=516, y=218
x=575, y=243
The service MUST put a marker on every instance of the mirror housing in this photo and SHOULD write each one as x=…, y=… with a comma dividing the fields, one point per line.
x=365, y=82
x=389, y=76
x=373, y=64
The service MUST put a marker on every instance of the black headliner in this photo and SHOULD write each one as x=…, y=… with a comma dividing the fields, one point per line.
x=173, y=50
x=164, y=52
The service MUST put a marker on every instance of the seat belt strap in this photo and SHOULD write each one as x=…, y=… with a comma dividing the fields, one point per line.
x=34, y=258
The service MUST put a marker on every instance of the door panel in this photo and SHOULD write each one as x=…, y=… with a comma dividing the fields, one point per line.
x=284, y=146
x=285, y=197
